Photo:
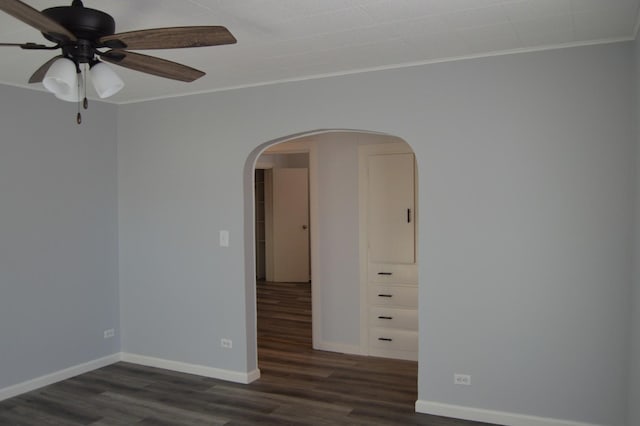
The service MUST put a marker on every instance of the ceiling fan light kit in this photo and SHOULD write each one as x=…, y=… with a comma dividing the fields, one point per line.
x=85, y=36
x=106, y=82
x=61, y=78
x=72, y=96
x=65, y=80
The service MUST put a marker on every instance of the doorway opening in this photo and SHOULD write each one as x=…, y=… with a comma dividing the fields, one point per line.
x=282, y=217
x=283, y=252
x=299, y=335
x=339, y=271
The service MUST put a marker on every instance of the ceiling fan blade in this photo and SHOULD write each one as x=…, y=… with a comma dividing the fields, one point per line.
x=30, y=46
x=170, y=38
x=38, y=76
x=36, y=19
x=151, y=65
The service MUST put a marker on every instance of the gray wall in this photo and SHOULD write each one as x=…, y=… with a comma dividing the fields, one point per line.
x=58, y=234
x=526, y=190
x=634, y=369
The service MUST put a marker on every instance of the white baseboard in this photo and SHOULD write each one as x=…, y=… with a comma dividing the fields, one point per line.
x=338, y=347
x=200, y=370
x=57, y=376
x=490, y=416
x=67, y=373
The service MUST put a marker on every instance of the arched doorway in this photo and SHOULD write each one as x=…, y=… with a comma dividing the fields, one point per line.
x=340, y=313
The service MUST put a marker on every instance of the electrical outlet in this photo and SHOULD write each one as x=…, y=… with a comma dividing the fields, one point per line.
x=462, y=379
x=226, y=343
x=109, y=333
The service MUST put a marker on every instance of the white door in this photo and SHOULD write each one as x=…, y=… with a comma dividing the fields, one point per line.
x=391, y=224
x=291, y=225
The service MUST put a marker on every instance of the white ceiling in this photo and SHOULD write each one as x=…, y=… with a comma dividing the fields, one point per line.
x=281, y=40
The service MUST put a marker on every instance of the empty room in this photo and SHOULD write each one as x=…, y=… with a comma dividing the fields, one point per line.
x=471, y=232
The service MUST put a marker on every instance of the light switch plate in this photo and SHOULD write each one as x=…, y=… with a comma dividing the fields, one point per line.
x=224, y=238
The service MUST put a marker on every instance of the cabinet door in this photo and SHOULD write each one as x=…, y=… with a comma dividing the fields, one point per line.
x=391, y=208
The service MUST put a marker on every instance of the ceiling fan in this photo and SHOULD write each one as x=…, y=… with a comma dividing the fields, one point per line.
x=87, y=37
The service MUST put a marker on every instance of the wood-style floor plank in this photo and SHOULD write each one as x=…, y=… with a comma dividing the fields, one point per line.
x=298, y=385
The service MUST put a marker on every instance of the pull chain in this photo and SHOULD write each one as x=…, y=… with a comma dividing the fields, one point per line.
x=79, y=116
x=85, y=102
x=82, y=90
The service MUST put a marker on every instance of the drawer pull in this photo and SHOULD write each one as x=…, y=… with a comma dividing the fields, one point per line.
x=385, y=273
x=385, y=339
x=383, y=317
x=385, y=295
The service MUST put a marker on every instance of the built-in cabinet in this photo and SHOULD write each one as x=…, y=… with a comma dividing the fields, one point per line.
x=391, y=299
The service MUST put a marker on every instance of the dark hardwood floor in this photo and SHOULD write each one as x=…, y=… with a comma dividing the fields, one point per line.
x=298, y=385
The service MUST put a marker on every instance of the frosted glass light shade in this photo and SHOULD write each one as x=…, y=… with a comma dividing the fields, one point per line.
x=61, y=79
x=105, y=80
x=74, y=93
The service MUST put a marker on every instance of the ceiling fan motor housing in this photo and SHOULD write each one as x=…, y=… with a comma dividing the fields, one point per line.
x=83, y=22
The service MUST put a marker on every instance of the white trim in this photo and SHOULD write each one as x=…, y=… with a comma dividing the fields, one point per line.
x=200, y=370
x=382, y=68
x=252, y=376
x=490, y=416
x=339, y=348
x=57, y=376
x=67, y=373
x=357, y=71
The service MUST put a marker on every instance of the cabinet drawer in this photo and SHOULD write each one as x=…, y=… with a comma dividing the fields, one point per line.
x=404, y=319
x=393, y=273
x=393, y=340
x=390, y=295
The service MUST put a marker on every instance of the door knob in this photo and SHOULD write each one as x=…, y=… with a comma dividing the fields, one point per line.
x=304, y=226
